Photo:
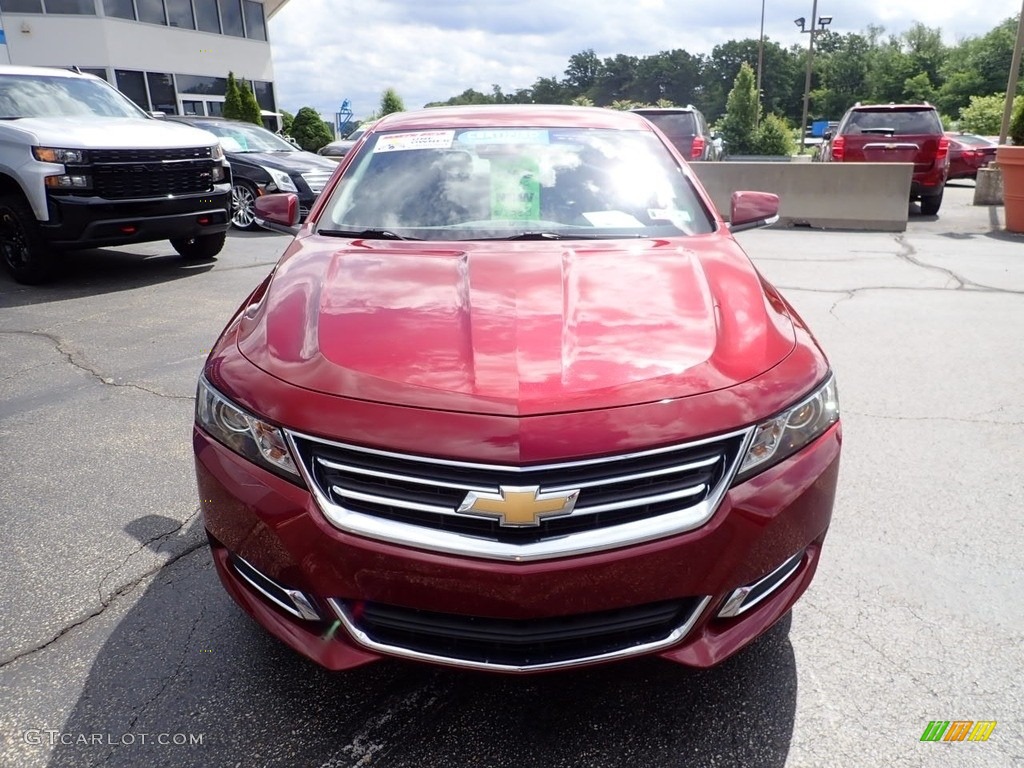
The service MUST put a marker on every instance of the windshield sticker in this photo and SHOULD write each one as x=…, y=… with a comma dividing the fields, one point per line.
x=611, y=219
x=398, y=142
x=515, y=189
x=669, y=214
x=504, y=136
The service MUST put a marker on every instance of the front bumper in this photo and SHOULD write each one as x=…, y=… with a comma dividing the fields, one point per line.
x=368, y=597
x=91, y=222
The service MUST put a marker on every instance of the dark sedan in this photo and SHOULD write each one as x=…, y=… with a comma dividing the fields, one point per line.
x=968, y=153
x=262, y=162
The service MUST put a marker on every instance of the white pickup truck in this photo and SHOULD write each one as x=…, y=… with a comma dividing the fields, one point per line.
x=81, y=166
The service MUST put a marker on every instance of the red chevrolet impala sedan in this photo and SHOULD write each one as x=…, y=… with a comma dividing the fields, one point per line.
x=514, y=399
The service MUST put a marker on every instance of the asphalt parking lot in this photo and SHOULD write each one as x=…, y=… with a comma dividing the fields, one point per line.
x=119, y=647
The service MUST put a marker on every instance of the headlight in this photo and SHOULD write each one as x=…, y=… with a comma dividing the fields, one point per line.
x=217, y=152
x=54, y=155
x=281, y=181
x=258, y=441
x=785, y=434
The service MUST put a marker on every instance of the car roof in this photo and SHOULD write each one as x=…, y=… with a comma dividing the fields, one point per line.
x=8, y=69
x=876, y=107
x=513, y=115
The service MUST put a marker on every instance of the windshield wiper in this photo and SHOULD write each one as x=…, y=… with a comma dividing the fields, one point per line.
x=533, y=236
x=566, y=236
x=364, y=234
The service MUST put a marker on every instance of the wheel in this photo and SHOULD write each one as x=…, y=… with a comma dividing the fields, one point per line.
x=243, y=206
x=930, y=205
x=28, y=257
x=200, y=248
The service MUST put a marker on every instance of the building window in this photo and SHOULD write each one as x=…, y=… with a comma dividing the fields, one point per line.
x=119, y=9
x=215, y=108
x=194, y=108
x=208, y=86
x=255, y=27
x=151, y=11
x=264, y=95
x=161, y=92
x=179, y=14
x=231, y=17
x=21, y=6
x=75, y=7
x=133, y=85
x=207, y=18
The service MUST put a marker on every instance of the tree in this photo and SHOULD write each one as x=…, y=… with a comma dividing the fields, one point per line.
x=984, y=114
x=310, y=130
x=742, y=112
x=774, y=137
x=286, y=122
x=390, y=102
x=250, y=108
x=583, y=71
x=233, y=99
x=1017, y=125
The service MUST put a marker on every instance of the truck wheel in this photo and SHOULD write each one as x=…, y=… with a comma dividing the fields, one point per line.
x=243, y=206
x=26, y=255
x=200, y=248
x=930, y=205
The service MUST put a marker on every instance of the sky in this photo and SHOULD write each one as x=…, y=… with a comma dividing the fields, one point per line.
x=325, y=51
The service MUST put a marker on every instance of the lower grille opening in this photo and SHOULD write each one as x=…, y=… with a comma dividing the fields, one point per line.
x=745, y=598
x=520, y=643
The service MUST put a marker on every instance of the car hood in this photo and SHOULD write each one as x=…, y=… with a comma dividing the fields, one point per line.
x=295, y=162
x=516, y=328
x=109, y=132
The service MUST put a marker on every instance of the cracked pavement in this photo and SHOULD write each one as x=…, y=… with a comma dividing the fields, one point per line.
x=114, y=623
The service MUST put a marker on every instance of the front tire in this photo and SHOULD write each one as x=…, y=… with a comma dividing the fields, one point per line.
x=201, y=247
x=243, y=206
x=25, y=253
x=930, y=205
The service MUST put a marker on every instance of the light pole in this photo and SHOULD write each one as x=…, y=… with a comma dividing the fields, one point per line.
x=817, y=22
x=760, y=63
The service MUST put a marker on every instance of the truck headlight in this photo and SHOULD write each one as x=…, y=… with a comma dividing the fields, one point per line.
x=781, y=436
x=280, y=180
x=245, y=434
x=56, y=155
x=217, y=151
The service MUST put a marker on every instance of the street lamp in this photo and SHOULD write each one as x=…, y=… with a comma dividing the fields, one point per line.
x=823, y=21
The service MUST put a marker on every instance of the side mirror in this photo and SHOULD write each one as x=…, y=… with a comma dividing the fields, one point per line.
x=278, y=212
x=158, y=115
x=828, y=135
x=749, y=210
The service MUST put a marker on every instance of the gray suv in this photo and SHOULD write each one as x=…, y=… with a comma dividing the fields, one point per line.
x=686, y=128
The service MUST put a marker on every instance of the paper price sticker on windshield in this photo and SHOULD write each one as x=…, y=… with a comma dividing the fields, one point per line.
x=504, y=136
x=398, y=142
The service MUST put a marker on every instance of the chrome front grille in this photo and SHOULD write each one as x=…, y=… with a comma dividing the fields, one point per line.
x=415, y=500
x=316, y=180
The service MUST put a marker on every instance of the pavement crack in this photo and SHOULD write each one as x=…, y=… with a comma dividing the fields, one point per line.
x=74, y=359
x=956, y=419
x=908, y=253
x=123, y=590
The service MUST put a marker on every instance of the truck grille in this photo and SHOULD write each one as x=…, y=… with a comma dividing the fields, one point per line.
x=427, y=492
x=121, y=174
x=316, y=180
x=523, y=644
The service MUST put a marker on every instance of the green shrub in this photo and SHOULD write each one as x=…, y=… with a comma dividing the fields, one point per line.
x=773, y=137
x=1017, y=124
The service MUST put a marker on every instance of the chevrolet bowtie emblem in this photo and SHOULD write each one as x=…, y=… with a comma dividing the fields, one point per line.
x=519, y=506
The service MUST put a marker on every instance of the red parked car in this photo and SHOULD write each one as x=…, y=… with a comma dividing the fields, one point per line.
x=515, y=399
x=968, y=153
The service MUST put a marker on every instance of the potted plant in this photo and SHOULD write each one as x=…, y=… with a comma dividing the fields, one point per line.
x=1010, y=158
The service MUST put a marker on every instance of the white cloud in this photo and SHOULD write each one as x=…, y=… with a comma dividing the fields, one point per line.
x=325, y=51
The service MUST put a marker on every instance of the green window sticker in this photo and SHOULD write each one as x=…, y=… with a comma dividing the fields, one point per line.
x=515, y=189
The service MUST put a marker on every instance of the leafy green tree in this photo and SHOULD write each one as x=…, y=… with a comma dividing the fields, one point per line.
x=918, y=88
x=233, y=99
x=773, y=137
x=583, y=71
x=250, y=108
x=742, y=112
x=582, y=101
x=617, y=80
x=984, y=114
x=548, y=90
x=310, y=130
x=1017, y=125
x=390, y=102
x=286, y=122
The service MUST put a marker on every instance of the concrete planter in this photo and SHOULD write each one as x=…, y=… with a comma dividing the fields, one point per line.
x=1011, y=162
x=988, y=186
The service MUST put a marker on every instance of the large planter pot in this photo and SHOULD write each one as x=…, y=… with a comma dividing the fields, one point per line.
x=1011, y=162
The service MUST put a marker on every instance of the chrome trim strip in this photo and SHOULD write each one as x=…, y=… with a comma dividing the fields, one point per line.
x=641, y=500
x=404, y=478
x=635, y=476
x=391, y=502
x=301, y=608
x=361, y=638
x=735, y=605
x=580, y=543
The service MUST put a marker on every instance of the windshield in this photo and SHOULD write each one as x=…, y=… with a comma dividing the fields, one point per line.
x=243, y=137
x=35, y=96
x=908, y=122
x=673, y=124
x=505, y=183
